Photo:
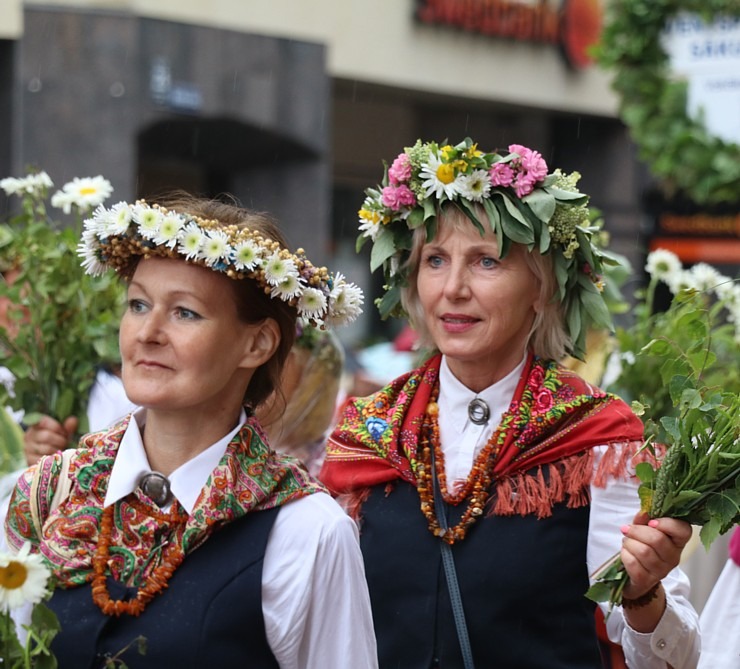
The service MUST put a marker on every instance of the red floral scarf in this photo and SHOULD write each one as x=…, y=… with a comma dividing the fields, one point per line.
x=554, y=420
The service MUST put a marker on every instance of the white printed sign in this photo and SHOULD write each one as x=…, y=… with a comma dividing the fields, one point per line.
x=708, y=56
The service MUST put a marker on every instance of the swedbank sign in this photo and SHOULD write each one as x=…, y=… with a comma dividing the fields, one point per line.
x=573, y=25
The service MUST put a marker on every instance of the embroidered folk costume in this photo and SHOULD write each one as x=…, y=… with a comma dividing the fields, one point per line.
x=554, y=420
x=198, y=562
x=249, y=478
x=494, y=260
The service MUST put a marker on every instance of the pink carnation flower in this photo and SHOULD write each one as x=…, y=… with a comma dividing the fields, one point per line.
x=531, y=166
x=400, y=170
x=397, y=197
x=501, y=174
x=524, y=184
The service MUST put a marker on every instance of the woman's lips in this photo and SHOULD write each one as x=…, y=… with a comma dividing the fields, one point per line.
x=457, y=322
x=151, y=364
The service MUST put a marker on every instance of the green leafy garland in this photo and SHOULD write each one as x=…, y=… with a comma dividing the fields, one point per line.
x=678, y=149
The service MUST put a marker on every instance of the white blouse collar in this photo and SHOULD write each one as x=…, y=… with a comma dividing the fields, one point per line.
x=187, y=480
x=454, y=396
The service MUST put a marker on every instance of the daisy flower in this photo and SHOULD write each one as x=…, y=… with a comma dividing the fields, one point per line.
x=287, y=289
x=680, y=280
x=215, y=247
x=278, y=268
x=33, y=184
x=169, y=230
x=312, y=303
x=705, y=276
x=728, y=291
x=370, y=222
x=345, y=301
x=149, y=221
x=88, y=250
x=191, y=241
x=84, y=193
x=23, y=579
x=475, y=186
x=662, y=264
x=118, y=220
x=246, y=255
x=439, y=178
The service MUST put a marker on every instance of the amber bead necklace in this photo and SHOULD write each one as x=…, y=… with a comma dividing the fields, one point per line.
x=475, y=488
x=172, y=557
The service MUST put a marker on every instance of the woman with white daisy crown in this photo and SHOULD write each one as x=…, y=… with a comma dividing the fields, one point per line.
x=180, y=523
x=491, y=482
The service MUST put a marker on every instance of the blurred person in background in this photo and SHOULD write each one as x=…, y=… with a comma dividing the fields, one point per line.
x=298, y=419
x=720, y=617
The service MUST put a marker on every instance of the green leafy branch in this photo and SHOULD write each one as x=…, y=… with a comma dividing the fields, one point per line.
x=62, y=324
x=698, y=479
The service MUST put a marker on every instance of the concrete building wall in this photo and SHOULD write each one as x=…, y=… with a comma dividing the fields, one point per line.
x=11, y=19
x=154, y=105
x=379, y=41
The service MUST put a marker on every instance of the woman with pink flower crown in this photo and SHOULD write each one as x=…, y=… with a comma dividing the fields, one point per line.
x=490, y=483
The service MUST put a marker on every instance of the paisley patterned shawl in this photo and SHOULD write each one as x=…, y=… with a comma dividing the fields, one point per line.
x=555, y=419
x=249, y=477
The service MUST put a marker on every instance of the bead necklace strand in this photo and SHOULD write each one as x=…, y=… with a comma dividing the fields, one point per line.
x=172, y=556
x=476, y=486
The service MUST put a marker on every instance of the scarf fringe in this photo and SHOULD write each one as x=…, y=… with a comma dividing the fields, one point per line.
x=352, y=502
x=536, y=491
x=567, y=480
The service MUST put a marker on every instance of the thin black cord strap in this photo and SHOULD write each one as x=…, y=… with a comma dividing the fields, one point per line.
x=448, y=561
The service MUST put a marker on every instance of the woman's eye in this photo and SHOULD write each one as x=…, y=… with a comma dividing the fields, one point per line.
x=136, y=306
x=488, y=263
x=186, y=314
x=433, y=261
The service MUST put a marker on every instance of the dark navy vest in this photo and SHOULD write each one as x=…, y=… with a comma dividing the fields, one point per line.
x=522, y=582
x=209, y=616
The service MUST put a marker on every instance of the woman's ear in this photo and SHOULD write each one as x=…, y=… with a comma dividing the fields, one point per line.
x=261, y=342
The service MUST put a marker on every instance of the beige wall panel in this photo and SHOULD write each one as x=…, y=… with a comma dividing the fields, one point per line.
x=11, y=19
x=379, y=41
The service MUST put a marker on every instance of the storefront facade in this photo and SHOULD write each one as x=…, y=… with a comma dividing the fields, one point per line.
x=293, y=106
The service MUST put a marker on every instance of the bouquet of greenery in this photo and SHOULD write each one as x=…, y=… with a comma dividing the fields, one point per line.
x=61, y=324
x=697, y=419
x=638, y=376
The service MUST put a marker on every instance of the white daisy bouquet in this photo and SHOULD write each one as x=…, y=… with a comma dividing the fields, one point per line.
x=691, y=408
x=24, y=580
x=61, y=325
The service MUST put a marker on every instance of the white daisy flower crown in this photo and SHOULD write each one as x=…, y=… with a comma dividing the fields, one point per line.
x=520, y=201
x=112, y=237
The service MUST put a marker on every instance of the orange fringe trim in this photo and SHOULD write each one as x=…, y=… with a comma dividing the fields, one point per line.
x=567, y=480
x=532, y=492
